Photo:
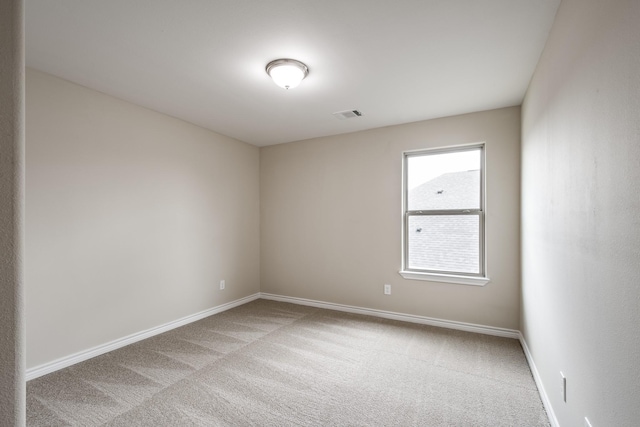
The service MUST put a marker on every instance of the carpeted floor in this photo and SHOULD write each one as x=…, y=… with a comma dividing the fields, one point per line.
x=268, y=363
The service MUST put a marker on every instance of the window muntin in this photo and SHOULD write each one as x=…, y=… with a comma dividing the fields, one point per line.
x=444, y=211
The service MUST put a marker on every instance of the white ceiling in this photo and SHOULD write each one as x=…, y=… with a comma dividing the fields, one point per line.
x=204, y=60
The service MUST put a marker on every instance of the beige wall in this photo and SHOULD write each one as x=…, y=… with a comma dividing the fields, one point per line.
x=580, y=213
x=132, y=218
x=331, y=219
x=12, y=347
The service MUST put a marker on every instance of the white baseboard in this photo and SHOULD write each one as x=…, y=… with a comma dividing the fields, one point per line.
x=541, y=390
x=461, y=326
x=81, y=356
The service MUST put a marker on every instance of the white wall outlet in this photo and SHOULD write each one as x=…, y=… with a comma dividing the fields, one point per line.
x=222, y=284
x=563, y=387
x=387, y=289
x=586, y=422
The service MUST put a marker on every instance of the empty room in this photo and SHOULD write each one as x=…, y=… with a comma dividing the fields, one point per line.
x=330, y=213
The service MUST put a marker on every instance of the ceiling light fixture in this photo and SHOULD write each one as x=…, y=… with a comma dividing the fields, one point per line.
x=287, y=73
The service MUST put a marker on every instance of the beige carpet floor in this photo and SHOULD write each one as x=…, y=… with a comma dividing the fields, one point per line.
x=268, y=363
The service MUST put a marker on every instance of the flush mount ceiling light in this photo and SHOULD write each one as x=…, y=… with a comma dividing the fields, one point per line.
x=287, y=73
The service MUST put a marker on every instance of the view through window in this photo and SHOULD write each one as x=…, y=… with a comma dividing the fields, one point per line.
x=444, y=207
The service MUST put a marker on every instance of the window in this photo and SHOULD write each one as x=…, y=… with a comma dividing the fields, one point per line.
x=444, y=215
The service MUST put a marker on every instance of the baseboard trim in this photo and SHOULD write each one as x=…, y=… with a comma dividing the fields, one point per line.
x=81, y=356
x=449, y=324
x=536, y=376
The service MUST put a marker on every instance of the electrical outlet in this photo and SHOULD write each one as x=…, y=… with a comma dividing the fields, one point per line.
x=586, y=422
x=563, y=387
x=387, y=289
x=222, y=284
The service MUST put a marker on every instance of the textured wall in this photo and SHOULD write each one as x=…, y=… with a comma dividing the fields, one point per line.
x=133, y=218
x=580, y=205
x=12, y=390
x=331, y=219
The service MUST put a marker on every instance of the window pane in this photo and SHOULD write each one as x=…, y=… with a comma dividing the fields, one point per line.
x=444, y=181
x=444, y=242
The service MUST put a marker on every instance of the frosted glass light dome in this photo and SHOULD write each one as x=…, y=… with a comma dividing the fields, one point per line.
x=287, y=73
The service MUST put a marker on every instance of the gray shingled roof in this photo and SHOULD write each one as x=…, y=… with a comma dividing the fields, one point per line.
x=445, y=243
x=453, y=190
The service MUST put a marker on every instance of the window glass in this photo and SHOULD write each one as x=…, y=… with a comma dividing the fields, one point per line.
x=444, y=181
x=447, y=243
x=443, y=225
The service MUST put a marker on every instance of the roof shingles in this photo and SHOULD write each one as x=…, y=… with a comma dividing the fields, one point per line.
x=445, y=242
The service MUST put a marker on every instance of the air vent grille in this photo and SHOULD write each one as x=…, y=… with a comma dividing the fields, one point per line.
x=347, y=114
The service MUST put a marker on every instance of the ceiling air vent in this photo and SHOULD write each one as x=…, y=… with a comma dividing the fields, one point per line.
x=347, y=114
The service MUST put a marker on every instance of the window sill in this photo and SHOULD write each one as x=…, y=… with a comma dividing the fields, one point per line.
x=446, y=278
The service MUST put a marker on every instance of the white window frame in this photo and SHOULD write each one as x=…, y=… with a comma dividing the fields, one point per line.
x=479, y=279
